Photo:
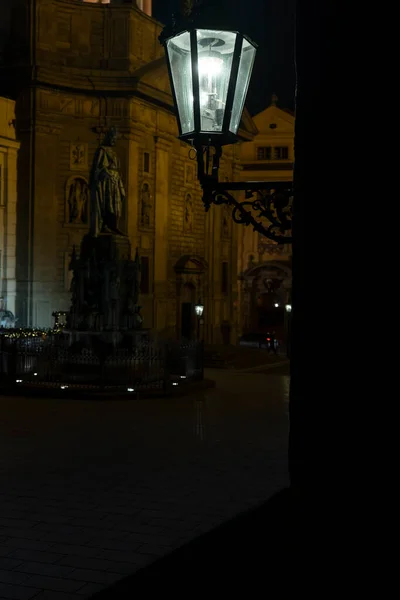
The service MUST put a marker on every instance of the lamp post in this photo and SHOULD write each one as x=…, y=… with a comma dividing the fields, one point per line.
x=210, y=69
x=199, y=309
x=288, y=310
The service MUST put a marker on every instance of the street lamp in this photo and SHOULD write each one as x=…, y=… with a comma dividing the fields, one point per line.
x=199, y=309
x=210, y=72
x=210, y=69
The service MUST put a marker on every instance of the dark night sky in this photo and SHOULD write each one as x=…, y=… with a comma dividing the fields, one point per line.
x=270, y=23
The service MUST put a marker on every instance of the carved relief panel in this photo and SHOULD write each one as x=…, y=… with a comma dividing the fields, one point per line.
x=189, y=174
x=78, y=156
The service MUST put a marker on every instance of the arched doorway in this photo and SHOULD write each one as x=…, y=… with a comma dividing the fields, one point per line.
x=189, y=271
x=266, y=291
x=269, y=310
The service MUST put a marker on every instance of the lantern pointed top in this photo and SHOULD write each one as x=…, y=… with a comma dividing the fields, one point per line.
x=203, y=14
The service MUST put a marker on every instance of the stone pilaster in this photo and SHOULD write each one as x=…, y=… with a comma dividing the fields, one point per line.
x=132, y=188
x=9, y=222
x=162, y=192
x=45, y=284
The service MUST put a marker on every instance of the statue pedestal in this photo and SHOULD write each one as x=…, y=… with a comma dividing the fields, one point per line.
x=105, y=285
x=106, y=246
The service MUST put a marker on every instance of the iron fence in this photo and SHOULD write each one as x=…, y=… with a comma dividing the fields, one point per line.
x=52, y=361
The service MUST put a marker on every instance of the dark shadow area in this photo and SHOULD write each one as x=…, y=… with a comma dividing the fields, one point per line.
x=254, y=547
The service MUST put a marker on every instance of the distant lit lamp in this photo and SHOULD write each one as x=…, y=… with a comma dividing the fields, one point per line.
x=288, y=308
x=276, y=305
x=199, y=309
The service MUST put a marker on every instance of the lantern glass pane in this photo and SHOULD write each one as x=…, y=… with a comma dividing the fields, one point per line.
x=244, y=73
x=179, y=57
x=214, y=63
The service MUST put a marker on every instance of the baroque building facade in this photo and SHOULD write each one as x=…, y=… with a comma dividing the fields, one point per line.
x=264, y=267
x=8, y=205
x=74, y=69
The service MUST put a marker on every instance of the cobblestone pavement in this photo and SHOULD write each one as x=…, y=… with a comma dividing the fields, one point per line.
x=279, y=369
x=92, y=491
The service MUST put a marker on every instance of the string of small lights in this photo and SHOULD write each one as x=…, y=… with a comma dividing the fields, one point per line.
x=30, y=333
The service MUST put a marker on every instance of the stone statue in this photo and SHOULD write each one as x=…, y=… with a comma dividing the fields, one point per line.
x=7, y=319
x=107, y=192
x=77, y=201
x=146, y=206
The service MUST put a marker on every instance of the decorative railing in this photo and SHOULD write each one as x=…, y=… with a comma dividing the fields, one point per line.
x=52, y=361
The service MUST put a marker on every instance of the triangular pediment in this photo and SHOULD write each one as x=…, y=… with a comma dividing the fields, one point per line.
x=275, y=116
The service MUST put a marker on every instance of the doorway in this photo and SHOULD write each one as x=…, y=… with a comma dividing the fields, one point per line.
x=187, y=320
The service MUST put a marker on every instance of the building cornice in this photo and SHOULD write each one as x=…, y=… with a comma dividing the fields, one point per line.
x=8, y=143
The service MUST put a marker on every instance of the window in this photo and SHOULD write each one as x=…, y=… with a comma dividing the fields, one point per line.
x=224, y=280
x=281, y=153
x=270, y=153
x=264, y=153
x=146, y=162
x=145, y=275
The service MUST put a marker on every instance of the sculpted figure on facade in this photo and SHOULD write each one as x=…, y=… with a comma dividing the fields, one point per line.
x=107, y=192
x=78, y=200
x=225, y=221
x=145, y=205
x=188, y=214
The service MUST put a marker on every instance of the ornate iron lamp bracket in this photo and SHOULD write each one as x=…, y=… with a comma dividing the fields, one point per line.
x=267, y=205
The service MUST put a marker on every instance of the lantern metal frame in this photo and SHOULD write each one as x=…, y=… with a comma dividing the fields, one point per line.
x=267, y=206
x=197, y=136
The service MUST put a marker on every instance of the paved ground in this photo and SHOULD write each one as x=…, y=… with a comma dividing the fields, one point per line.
x=279, y=369
x=243, y=357
x=92, y=491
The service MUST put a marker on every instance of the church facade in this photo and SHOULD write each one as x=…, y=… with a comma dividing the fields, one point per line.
x=264, y=267
x=82, y=68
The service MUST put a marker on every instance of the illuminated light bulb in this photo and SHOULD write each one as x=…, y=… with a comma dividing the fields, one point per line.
x=210, y=66
x=203, y=99
x=130, y=389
